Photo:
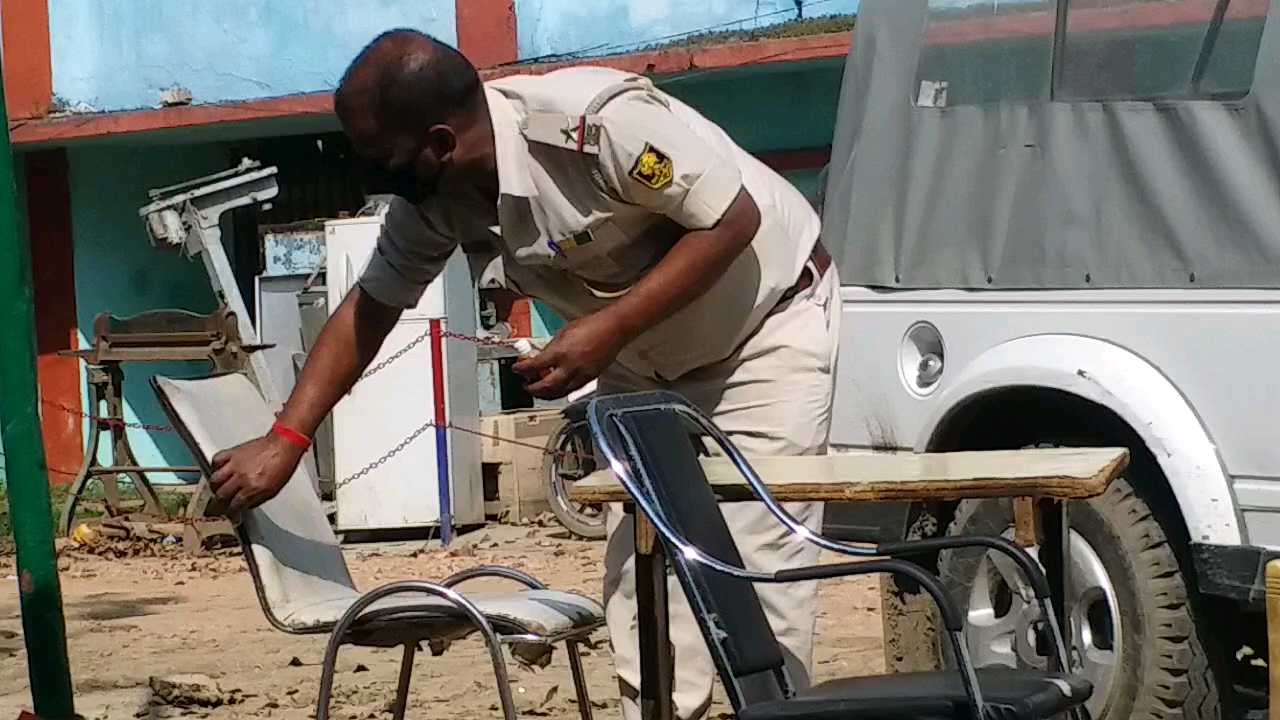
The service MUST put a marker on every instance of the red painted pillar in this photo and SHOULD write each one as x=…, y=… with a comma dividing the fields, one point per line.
x=28, y=73
x=53, y=273
x=487, y=31
x=28, y=93
x=521, y=318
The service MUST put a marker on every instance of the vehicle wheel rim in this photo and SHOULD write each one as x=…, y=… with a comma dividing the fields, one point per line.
x=1003, y=613
x=586, y=513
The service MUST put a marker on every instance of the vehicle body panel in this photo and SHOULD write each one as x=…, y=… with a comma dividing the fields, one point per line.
x=1188, y=374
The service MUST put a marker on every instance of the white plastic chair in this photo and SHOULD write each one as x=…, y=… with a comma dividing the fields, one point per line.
x=304, y=586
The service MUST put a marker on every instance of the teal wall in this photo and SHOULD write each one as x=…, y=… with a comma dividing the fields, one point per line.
x=806, y=181
x=117, y=270
x=544, y=321
x=788, y=106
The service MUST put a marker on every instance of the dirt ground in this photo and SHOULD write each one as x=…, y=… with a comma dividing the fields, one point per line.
x=132, y=619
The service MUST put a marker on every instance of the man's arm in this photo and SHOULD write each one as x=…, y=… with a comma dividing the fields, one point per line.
x=585, y=347
x=250, y=474
x=408, y=256
x=347, y=344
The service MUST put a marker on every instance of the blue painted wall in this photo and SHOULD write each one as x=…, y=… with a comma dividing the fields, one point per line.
x=118, y=270
x=606, y=27
x=119, y=54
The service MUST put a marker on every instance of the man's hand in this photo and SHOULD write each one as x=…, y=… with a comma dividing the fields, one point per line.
x=248, y=475
x=585, y=347
x=576, y=356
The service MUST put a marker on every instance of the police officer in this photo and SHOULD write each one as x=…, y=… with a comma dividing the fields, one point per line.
x=680, y=261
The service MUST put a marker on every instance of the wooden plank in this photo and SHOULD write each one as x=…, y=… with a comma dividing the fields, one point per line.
x=1065, y=473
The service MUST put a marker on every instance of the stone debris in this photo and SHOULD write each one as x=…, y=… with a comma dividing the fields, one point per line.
x=189, y=692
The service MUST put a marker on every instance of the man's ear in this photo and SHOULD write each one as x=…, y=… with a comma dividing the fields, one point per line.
x=442, y=141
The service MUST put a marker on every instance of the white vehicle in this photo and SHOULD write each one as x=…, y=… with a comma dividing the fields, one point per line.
x=1058, y=222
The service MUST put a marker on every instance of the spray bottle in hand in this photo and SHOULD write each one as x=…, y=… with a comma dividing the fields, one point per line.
x=526, y=349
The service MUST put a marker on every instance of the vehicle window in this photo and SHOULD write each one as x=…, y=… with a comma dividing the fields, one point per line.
x=1160, y=49
x=985, y=51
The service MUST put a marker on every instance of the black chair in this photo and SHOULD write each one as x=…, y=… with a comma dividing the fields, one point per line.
x=652, y=441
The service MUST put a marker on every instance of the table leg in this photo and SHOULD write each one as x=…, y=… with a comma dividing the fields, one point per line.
x=1055, y=556
x=1272, y=586
x=657, y=667
x=1024, y=522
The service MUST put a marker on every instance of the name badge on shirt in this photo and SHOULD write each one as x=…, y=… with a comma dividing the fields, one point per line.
x=569, y=242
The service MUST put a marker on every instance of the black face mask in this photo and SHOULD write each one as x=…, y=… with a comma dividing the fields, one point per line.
x=376, y=180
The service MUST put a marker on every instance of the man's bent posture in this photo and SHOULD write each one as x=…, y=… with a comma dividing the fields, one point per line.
x=680, y=261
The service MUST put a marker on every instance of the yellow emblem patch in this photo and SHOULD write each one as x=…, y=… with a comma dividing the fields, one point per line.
x=653, y=168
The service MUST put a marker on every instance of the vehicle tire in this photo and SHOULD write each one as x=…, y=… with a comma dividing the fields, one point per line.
x=1125, y=572
x=569, y=458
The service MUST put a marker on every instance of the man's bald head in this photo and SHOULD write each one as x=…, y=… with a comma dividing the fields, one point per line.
x=403, y=82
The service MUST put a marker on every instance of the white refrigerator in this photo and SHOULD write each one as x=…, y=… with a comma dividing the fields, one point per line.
x=434, y=479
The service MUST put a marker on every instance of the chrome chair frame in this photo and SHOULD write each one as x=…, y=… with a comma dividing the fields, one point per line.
x=608, y=433
x=1025, y=562
x=347, y=628
x=492, y=638
x=604, y=435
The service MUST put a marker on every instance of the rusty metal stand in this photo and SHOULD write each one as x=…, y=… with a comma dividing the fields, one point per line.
x=156, y=336
x=105, y=386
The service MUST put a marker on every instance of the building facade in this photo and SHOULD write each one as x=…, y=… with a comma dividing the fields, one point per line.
x=108, y=99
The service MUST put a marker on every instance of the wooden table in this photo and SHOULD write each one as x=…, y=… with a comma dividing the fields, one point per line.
x=1039, y=479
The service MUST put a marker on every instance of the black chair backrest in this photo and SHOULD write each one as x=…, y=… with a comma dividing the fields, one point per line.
x=662, y=453
x=576, y=411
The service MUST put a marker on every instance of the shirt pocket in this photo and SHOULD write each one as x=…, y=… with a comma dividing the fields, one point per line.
x=592, y=250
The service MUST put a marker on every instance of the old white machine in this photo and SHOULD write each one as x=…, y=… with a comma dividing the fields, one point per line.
x=186, y=215
x=397, y=463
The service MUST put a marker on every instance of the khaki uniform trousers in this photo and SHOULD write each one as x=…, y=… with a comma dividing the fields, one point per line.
x=773, y=397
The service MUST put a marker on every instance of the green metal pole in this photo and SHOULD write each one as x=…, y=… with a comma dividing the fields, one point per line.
x=27, y=477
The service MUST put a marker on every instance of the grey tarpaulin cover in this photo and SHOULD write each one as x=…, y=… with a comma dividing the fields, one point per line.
x=1050, y=193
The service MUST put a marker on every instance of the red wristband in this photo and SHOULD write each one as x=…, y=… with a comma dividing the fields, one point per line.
x=293, y=436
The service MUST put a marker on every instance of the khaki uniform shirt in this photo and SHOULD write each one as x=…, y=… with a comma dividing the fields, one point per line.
x=599, y=174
